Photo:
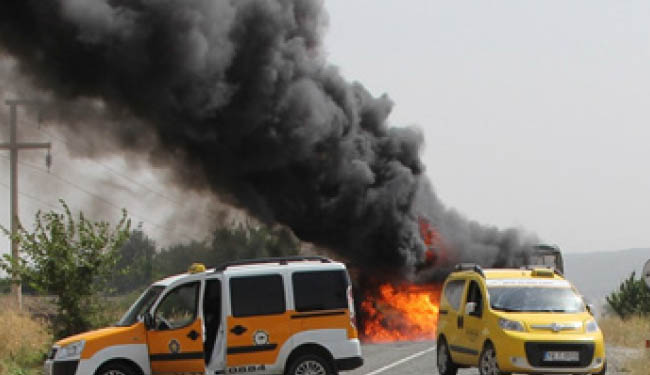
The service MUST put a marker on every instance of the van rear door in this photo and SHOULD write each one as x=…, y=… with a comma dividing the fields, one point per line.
x=257, y=324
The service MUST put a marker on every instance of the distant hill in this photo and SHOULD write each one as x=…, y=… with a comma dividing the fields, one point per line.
x=597, y=274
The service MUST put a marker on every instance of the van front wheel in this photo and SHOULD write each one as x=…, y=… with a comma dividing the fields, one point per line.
x=310, y=364
x=487, y=363
x=115, y=368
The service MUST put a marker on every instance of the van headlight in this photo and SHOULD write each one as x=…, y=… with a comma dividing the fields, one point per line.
x=510, y=325
x=70, y=351
x=591, y=326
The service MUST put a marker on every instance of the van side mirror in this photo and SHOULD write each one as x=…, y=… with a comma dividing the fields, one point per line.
x=470, y=308
x=148, y=320
x=590, y=308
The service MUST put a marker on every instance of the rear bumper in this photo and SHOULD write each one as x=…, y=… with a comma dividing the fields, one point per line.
x=345, y=364
x=60, y=367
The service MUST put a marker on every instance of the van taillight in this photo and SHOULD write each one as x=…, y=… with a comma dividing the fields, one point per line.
x=353, y=317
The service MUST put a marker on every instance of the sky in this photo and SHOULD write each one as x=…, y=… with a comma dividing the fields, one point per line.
x=533, y=112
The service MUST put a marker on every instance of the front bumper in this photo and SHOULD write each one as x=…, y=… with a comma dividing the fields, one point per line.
x=521, y=353
x=52, y=367
x=346, y=364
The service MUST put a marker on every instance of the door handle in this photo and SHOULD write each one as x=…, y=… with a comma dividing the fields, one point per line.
x=193, y=335
x=238, y=330
x=460, y=322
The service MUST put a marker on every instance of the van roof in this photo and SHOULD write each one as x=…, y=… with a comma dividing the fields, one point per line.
x=253, y=266
x=514, y=273
x=510, y=273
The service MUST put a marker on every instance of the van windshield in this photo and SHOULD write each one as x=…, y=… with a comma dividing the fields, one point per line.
x=535, y=299
x=141, y=305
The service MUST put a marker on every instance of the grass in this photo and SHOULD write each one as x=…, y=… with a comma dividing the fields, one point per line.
x=24, y=341
x=639, y=365
x=629, y=333
x=25, y=337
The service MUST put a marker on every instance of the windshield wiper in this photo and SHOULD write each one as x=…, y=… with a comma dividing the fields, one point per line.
x=506, y=309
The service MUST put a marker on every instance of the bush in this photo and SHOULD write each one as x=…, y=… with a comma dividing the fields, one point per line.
x=632, y=298
x=71, y=259
x=24, y=341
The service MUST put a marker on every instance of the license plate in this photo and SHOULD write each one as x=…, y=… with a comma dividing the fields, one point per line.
x=562, y=356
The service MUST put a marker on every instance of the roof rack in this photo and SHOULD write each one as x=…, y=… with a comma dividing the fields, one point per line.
x=470, y=267
x=280, y=260
x=531, y=267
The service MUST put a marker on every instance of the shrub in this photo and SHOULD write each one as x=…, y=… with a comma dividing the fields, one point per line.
x=71, y=259
x=632, y=298
x=24, y=341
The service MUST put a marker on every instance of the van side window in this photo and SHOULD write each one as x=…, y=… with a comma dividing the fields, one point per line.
x=454, y=293
x=474, y=295
x=257, y=295
x=178, y=307
x=320, y=290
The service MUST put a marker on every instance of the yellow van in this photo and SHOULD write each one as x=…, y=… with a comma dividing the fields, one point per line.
x=264, y=316
x=516, y=320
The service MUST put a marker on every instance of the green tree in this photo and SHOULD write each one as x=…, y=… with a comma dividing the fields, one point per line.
x=242, y=241
x=71, y=259
x=246, y=241
x=135, y=263
x=632, y=298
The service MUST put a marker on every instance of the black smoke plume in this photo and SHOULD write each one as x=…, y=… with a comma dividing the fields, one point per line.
x=237, y=98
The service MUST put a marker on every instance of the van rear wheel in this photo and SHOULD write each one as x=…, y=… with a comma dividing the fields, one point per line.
x=310, y=364
x=443, y=359
x=115, y=368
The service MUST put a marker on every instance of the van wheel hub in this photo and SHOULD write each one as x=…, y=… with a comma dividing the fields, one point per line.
x=310, y=368
x=489, y=364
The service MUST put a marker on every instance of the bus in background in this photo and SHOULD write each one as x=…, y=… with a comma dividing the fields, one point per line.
x=546, y=255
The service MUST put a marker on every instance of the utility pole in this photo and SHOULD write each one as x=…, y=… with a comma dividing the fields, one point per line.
x=14, y=146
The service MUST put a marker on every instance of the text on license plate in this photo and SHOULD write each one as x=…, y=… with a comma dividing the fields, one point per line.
x=562, y=356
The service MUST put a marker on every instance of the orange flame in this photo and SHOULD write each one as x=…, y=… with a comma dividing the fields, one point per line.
x=402, y=313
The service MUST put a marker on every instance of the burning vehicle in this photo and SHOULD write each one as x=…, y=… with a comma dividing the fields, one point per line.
x=400, y=310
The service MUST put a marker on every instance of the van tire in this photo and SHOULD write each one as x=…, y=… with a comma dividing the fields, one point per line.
x=487, y=362
x=443, y=359
x=116, y=368
x=310, y=364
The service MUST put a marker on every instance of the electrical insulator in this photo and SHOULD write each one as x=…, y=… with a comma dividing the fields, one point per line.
x=48, y=160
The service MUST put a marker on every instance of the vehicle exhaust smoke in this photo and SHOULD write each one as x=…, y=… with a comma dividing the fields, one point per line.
x=237, y=99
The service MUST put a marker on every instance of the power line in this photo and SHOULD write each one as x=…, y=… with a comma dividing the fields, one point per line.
x=112, y=170
x=5, y=185
x=101, y=199
x=166, y=232
x=160, y=227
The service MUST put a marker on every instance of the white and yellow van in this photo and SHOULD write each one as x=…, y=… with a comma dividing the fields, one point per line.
x=264, y=316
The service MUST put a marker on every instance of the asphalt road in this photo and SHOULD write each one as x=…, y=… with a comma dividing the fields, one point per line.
x=403, y=358
x=419, y=358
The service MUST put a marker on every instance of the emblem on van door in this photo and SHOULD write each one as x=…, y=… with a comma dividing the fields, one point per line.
x=260, y=337
x=174, y=346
